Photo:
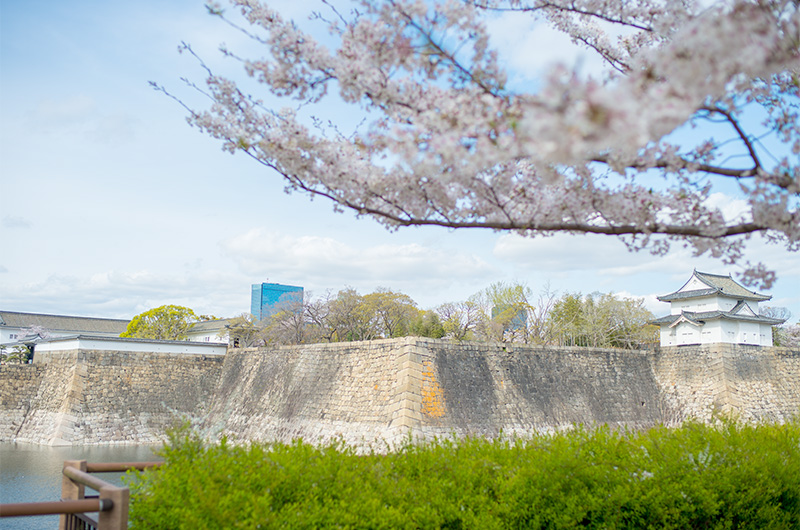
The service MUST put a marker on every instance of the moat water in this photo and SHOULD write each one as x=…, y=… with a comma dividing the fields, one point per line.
x=32, y=473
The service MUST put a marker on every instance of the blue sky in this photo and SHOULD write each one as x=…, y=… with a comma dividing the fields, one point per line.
x=110, y=204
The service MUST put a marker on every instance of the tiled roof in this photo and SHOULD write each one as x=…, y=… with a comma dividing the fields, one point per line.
x=210, y=325
x=724, y=285
x=729, y=286
x=702, y=316
x=63, y=323
x=683, y=295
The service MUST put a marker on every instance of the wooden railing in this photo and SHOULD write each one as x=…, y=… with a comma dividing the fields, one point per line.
x=111, y=503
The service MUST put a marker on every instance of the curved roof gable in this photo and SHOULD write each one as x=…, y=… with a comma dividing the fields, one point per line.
x=729, y=286
x=706, y=284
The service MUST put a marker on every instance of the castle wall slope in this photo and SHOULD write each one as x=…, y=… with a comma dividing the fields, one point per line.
x=382, y=392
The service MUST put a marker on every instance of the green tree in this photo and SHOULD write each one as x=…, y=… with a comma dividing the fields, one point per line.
x=568, y=320
x=168, y=322
x=347, y=318
x=245, y=331
x=459, y=319
x=389, y=312
x=287, y=324
x=505, y=309
x=16, y=353
x=427, y=324
x=601, y=321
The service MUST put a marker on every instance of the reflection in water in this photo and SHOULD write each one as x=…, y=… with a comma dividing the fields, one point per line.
x=30, y=473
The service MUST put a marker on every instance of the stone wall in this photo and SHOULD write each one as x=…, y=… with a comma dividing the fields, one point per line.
x=353, y=391
x=98, y=397
x=19, y=384
x=380, y=392
x=485, y=389
x=750, y=383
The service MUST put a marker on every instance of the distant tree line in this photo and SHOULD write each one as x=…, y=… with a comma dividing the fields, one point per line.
x=503, y=312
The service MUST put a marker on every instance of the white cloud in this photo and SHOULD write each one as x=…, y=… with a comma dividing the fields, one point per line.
x=563, y=253
x=118, y=294
x=65, y=110
x=530, y=47
x=16, y=221
x=608, y=256
x=651, y=301
x=321, y=263
x=733, y=210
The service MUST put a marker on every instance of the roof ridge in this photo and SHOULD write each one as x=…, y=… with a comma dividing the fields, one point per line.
x=62, y=316
x=712, y=274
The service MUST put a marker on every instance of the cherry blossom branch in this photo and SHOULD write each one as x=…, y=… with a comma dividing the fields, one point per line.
x=541, y=5
x=446, y=144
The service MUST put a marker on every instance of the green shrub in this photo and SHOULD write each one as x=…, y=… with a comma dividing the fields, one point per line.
x=727, y=476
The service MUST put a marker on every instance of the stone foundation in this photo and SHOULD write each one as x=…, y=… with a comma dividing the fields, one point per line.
x=381, y=392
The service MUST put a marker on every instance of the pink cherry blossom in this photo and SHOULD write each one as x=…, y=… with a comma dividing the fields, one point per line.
x=447, y=143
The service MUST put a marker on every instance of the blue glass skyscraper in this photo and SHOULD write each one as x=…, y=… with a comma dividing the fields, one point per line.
x=266, y=297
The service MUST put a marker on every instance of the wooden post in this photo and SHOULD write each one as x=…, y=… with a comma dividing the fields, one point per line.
x=117, y=517
x=70, y=490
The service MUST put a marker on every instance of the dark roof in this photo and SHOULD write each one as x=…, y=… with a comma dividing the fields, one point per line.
x=63, y=323
x=683, y=295
x=717, y=284
x=210, y=325
x=702, y=316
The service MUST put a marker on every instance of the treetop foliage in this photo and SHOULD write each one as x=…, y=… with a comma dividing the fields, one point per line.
x=502, y=312
x=168, y=322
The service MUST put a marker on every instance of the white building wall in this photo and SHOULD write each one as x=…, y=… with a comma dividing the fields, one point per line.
x=749, y=333
x=212, y=337
x=729, y=331
x=687, y=333
x=765, y=335
x=668, y=336
x=706, y=303
x=723, y=303
x=693, y=285
x=711, y=332
x=129, y=345
x=9, y=335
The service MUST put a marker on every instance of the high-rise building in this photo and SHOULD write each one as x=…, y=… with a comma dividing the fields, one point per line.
x=267, y=298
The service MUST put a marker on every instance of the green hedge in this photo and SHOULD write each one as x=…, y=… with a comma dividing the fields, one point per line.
x=726, y=476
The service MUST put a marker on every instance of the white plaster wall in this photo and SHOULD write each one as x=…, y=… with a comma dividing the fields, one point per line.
x=207, y=337
x=749, y=333
x=707, y=303
x=687, y=333
x=711, y=332
x=5, y=335
x=765, y=335
x=668, y=336
x=129, y=345
x=693, y=285
x=724, y=303
x=729, y=331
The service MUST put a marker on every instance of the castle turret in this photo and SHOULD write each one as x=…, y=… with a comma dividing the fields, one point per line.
x=710, y=308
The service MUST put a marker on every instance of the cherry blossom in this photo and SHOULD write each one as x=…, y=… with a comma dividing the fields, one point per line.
x=446, y=142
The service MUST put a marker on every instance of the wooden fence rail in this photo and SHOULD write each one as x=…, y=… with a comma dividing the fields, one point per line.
x=111, y=503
